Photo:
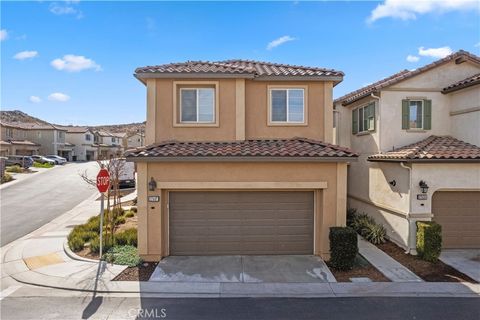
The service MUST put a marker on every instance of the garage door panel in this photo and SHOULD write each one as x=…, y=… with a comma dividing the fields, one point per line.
x=459, y=215
x=212, y=223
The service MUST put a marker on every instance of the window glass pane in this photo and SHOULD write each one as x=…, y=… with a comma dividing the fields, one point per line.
x=360, y=120
x=205, y=105
x=189, y=105
x=415, y=116
x=295, y=105
x=279, y=105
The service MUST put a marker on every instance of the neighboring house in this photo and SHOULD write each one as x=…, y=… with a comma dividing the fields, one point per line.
x=51, y=139
x=13, y=141
x=238, y=160
x=108, y=145
x=82, y=139
x=134, y=140
x=415, y=129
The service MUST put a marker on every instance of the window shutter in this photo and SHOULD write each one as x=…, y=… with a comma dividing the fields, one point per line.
x=371, y=113
x=355, y=121
x=405, y=115
x=427, y=114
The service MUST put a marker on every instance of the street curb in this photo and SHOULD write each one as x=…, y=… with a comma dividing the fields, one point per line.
x=15, y=181
x=73, y=255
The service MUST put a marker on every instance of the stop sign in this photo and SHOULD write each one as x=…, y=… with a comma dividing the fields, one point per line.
x=103, y=180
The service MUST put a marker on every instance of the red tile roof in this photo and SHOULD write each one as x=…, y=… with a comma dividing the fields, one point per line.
x=283, y=148
x=434, y=148
x=403, y=75
x=240, y=68
x=19, y=142
x=465, y=83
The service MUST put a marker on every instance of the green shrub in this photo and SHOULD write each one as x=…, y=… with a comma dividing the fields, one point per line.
x=120, y=220
x=95, y=244
x=42, y=165
x=118, y=211
x=134, y=209
x=429, y=240
x=6, y=177
x=123, y=255
x=343, y=247
x=127, y=237
x=14, y=169
x=375, y=233
x=76, y=243
x=129, y=214
x=351, y=213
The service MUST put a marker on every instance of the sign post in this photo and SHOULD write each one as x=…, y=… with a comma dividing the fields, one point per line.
x=103, y=183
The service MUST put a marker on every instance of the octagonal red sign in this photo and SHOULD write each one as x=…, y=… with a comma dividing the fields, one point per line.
x=103, y=180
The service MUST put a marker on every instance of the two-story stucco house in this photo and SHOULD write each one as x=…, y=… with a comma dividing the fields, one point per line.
x=82, y=140
x=13, y=141
x=108, y=144
x=134, y=140
x=239, y=160
x=418, y=136
x=51, y=139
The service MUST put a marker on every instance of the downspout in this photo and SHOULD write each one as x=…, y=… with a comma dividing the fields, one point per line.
x=402, y=164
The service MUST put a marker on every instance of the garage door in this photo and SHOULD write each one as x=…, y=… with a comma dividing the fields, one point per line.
x=459, y=215
x=247, y=223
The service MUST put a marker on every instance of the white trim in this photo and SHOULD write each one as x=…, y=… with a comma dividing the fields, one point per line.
x=363, y=107
x=423, y=115
x=287, y=89
x=197, y=89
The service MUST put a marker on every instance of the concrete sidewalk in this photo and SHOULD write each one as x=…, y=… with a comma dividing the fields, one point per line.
x=41, y=259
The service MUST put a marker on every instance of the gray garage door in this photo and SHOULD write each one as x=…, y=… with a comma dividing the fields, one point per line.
x=247, y=223
x=459, y=215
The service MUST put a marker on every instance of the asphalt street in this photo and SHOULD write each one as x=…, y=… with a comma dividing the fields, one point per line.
x=31, y=203
x=240, y=308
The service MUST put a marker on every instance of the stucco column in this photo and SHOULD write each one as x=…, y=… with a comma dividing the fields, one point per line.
x=240, y=109
x=142, y=208
x=150, y=129
x=341, y=194
x=328, y=112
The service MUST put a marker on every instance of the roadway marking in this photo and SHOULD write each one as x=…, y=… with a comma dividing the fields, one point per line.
x=5, y=293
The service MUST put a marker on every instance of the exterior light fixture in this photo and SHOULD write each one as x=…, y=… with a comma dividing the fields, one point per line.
x=152, y=185
x=424, y=186
x=393, y=183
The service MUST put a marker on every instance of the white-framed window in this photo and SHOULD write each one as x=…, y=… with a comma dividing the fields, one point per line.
x=39, y=134
x=287, y=105
x=9, y=132
x=197, y=105
x=415, y=114
x=363, y=119
x=88, y=137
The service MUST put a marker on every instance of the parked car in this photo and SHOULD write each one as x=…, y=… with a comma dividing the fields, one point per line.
x=22, y=161
x=57, y=159
x=43, y=160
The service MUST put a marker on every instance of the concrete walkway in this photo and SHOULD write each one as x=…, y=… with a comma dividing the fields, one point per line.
x=466, y=261
x=40, y=259
x=390, y=268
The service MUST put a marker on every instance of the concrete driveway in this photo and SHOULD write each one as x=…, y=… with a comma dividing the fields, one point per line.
x=466, y=261
x=278, y=269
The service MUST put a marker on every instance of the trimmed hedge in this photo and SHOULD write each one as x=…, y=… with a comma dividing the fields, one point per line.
x=429, y=240
x=343, y=247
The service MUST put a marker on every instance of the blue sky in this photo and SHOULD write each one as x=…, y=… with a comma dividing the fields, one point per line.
x=72, y=62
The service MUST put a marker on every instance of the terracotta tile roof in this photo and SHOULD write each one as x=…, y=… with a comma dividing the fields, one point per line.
x=403, y=75
x=31, y=126
x=283, y=148
x=434, y=148
x=19, y=142
x=75, y=129
x=465, y=83
x=241, y=68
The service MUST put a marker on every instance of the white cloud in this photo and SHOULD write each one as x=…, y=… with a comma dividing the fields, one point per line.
x=66, y=7
x=3, y=34
x=438, y=53
x=410, y=9
x=25, y=55
x=35, y=99
x=58, y=96
x=277, y=42
x=477, y=45
x=73, y=63
x=411, y=58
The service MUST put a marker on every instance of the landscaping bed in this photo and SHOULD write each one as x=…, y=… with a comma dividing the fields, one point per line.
x=361, y=269
x=141, y=272
x=428, y=271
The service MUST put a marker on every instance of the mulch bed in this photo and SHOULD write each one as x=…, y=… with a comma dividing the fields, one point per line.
x=138, y=273
x=362, y=269
x=428, y=271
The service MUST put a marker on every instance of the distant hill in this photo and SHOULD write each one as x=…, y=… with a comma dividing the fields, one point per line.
x=22, y=117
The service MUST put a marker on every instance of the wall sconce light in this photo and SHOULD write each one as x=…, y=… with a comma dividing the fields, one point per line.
x=424, y=186
x=393, y=183
x=152, y=185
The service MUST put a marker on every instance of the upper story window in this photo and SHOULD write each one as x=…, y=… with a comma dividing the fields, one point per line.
x=197, y=105
x=416, y=114
x=60, y=135
x=287, y=105
x=113, y=140
x=9, y=132
x=363, y=119
x=88, y=137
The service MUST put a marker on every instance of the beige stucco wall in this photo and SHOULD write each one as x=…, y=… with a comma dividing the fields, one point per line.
x=243, y=112
x=465, y=114
x=330, y=201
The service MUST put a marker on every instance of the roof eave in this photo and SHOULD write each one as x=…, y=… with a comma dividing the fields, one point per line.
x=241, y=159
x=193, y=75
x=427, y=160
x=335, y=79
x=460, y=87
